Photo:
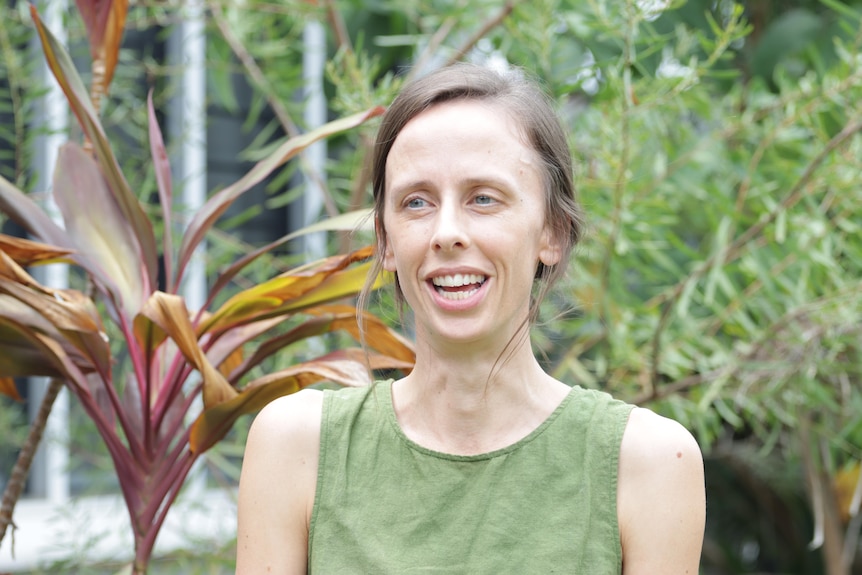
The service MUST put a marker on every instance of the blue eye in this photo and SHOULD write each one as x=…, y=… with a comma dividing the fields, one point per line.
x=483, y=200
x=415, y=203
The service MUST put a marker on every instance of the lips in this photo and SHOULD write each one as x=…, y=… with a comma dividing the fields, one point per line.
x=458, y=286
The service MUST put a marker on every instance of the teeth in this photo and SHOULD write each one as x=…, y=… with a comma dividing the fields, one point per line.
x=457, y=295
x=458, y=280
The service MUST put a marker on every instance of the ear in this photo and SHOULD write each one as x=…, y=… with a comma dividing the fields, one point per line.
x=550, y=249
x=384, y=250
x=388, y=259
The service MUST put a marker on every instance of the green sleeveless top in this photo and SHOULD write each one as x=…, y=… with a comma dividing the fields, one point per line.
x=546, y=504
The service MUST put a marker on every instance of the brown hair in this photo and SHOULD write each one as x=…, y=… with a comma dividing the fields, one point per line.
x=534, y=113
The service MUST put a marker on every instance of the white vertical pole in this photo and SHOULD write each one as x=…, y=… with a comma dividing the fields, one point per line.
x=187, y=128
x=313, y=63
x=50, y=471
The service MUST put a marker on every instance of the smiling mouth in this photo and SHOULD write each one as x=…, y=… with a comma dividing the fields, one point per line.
x=458, y=286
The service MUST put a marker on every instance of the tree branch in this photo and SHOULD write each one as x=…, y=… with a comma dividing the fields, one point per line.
x=481, y=32
x=25, y=458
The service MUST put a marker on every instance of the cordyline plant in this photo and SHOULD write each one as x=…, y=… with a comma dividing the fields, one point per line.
x=176, y=355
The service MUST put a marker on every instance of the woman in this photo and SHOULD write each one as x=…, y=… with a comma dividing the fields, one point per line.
x=478, y=461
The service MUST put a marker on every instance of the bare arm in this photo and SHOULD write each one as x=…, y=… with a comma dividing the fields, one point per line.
x=277, y=486
x=661, y=497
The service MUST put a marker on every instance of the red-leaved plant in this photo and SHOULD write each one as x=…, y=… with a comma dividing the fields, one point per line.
x=176, y=355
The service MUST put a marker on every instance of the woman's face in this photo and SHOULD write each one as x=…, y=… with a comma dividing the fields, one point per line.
x=465, y=222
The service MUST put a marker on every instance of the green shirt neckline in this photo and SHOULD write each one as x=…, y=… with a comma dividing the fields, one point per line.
x=384, y=396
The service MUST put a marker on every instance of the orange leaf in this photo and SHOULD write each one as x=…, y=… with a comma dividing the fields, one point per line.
x=231, y=362
x=24, y=211
x=105, y=21
x=18, y=357
x=279, y=295
x=70, y=313
x=113, y=38
x=7, y=387
x=37, y=354
x=170, y=314
x=214, y=423
x=10, y=269
x=377, y=334
x=28, y=252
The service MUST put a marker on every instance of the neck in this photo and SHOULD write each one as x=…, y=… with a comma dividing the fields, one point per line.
x=467, y=403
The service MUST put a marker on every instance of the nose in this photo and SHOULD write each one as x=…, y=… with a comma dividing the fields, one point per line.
x=450, y=229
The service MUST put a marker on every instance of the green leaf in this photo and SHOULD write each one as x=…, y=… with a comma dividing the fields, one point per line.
x=786, y=36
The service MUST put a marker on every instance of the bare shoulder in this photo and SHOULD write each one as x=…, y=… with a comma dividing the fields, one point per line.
x=661, y=498
x=650, y=440
x=278, y=483
x=284, y=438
x=294, y=418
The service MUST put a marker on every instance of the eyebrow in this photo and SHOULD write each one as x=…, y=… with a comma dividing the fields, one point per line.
x=472, y=182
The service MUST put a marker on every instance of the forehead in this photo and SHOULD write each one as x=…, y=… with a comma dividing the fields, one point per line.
x=475, y=116
x=456, y=137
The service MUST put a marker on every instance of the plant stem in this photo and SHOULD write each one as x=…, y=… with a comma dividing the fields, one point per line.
x=481, y=32
x=25, y=458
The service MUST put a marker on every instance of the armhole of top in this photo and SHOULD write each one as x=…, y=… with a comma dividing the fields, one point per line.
x=321, y=465
x=619, y=429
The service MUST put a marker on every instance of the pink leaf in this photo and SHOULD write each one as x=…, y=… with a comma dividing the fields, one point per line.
x=99, y=227
x=162, y=167
x=204, y=218
x=76, y=93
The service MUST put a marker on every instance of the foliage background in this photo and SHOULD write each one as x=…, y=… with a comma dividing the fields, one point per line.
x=719, y=162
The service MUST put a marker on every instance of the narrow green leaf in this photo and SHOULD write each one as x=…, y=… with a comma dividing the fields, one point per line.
x=843, y=9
